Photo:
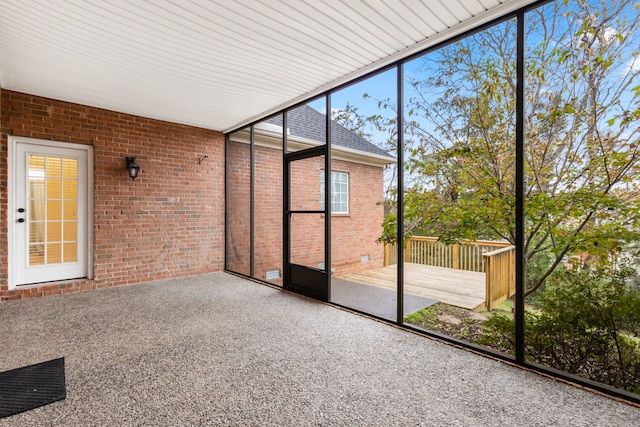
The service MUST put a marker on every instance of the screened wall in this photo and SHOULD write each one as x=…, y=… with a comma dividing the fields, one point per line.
x=484, y=191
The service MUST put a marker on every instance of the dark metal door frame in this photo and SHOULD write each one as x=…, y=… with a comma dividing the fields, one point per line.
x=308, y=281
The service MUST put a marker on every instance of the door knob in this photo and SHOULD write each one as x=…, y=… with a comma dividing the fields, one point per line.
x=21, y=210
x=20, y=219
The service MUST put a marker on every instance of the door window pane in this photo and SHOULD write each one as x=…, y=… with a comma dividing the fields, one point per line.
x=70, y=169
x=70, y=252
x=53, y=167
x=36, y=255
x=54, y=231
x=54, y=188
x=70, y=231
x=54, y=253
x=53, y=198
x=70, y=189
x=36, y=232
x=54, y=210
x=70, y=210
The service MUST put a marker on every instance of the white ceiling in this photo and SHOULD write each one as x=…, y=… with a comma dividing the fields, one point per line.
x=216, y=64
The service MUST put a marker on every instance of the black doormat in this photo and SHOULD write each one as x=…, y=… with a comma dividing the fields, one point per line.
x=31, y=386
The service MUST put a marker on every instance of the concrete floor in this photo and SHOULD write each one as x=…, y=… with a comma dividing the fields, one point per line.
x=220, y=350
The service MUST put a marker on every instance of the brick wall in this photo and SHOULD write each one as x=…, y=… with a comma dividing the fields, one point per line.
x=353, y=235
x=167, y=223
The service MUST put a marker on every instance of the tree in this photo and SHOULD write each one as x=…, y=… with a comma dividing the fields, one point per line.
x=586, y=326
x=582, y=110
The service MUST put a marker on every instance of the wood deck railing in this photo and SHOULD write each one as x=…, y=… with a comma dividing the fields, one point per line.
x=465, y=255
x=496, y=259
x=500, y=266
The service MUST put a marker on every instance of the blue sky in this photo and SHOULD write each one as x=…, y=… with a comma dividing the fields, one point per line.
x=383, y=86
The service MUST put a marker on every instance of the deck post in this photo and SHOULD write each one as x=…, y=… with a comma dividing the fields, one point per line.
x=456, y=252
x=386, y=255
x=499, y=275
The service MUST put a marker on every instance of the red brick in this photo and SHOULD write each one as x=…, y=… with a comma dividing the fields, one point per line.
x=135, y=238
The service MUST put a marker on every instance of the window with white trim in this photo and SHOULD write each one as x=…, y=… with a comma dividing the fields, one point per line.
x=339, y=192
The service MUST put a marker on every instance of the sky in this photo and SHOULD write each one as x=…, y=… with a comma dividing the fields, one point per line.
x=383, y=86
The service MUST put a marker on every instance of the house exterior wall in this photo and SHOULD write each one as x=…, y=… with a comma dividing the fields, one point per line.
x=353, y=235
x=167, y=223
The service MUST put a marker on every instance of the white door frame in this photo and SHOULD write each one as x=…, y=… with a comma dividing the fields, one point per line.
x=11, y=200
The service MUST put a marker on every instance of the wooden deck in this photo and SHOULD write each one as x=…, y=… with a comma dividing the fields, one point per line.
x=460, y=288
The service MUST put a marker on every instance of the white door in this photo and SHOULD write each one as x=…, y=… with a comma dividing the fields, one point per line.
x=49, y=216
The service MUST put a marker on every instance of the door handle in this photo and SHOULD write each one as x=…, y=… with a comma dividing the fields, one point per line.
x=20, y=219
x=21, y=210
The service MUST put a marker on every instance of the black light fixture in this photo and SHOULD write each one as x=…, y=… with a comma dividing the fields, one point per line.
x=132, y=167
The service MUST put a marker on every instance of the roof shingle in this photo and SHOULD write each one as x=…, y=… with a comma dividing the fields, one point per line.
x=306, y=122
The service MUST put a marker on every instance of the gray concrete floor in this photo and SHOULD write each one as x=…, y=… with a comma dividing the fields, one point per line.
x=220, y=350
x=374, y=300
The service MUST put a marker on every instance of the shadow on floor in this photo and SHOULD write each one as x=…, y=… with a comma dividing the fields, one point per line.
x=373, y=300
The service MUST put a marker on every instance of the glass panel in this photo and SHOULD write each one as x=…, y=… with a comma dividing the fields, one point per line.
x=306, y=230
x=70, y=189
x=70, y=252
x=307, y=240
x=54, y=231
x=70, y=211
x=37, y=210
x=54, y=253
x=54, y=210
x=36, y=167
x=36, y=232
x=36, y=188
x=54, y=189
x=268, y=157
x=36, y=177
x=363, y=115
x=305, y=184
x=70, y=168
x=460, y=188
x=70, y=231
x=46, y=214
x=582, y=202
x=36, y=255
x=307, y=126
x=53, y=167
x=239, y=202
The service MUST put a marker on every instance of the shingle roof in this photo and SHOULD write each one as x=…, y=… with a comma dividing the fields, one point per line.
x=305, y=122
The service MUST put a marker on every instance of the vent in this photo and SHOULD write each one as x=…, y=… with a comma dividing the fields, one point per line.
x=272, y=275
x=364, y=258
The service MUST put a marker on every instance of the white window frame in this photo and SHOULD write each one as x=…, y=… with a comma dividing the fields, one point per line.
x=334, y=181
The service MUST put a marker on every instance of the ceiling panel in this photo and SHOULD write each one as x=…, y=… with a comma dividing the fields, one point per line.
x=216, y=64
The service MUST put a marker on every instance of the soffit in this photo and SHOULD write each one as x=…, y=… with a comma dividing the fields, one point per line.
x=216, y=64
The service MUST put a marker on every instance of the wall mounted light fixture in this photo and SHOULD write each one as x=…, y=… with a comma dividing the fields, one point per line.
x=132, y=167
x=201, y=159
